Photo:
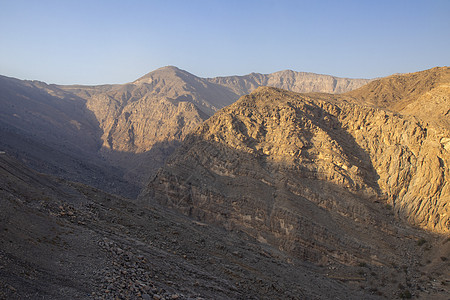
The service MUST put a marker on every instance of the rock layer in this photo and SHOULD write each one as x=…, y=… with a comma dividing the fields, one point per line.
x=300, y=82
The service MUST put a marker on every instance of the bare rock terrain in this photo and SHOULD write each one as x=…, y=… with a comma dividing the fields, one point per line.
x=424, y=94
x=115, y=137
x=155, y=113
x=364, y=150
x=318, y=176
x=300, y=82
x=279, y=195
x=60, y=239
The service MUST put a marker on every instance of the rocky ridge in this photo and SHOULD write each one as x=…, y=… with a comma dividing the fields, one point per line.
x=422, y=94
x=317, y=176
x=115, y=136
x=300, y=82
x=155, y=112
x=361, y=149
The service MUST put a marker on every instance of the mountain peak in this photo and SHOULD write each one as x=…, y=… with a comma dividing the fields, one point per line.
x=168, y=68
x=164, y=72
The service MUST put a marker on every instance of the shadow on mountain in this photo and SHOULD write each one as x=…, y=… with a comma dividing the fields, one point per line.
x=138, y=168
x=62, y=238
x=279, y=203
x=53, y=132
x=77, y=166
x=353, y=152
x=303, y=213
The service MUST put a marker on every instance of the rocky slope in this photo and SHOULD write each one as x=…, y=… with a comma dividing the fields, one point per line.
x=115, y=136
x=167, y=103
x=287, y=196
x=359, y=148
x=63, y=239
x=316, y=176
x=160, y=106
x=424, y=94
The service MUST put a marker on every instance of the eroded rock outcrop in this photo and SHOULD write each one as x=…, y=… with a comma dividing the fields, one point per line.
x=310, y=174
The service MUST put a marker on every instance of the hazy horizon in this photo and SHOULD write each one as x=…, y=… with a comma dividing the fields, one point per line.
x=80, y=42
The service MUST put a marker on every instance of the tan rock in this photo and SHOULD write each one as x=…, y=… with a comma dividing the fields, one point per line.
x=151, y=115
x=303, y=171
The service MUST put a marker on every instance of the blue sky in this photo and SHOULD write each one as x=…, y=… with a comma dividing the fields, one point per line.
x=94, y=42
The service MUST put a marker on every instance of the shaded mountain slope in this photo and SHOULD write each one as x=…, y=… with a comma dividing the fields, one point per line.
x=112, y=136
x=162, y=107
x=52, y=131
x=62, y=239
x=150, y=115
x=48, y=112
x=308, y=193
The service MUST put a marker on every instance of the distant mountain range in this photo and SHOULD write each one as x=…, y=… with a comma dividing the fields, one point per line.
x=71, y=130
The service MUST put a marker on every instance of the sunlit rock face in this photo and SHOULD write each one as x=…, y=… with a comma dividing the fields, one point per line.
x=310, y=173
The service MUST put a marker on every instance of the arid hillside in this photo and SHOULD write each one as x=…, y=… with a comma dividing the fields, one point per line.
x=116, y=136
x=359, y=148
x=316, y=175
x=64, y=239
x=423, y=94
x=143, y=122
x=279, y=195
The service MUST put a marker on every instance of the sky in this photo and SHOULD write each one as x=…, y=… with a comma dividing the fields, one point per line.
x=97, y=42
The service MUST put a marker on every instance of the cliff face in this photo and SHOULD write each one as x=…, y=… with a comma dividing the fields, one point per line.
x=411, y=160
x=310, y=174
x=300, y=82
